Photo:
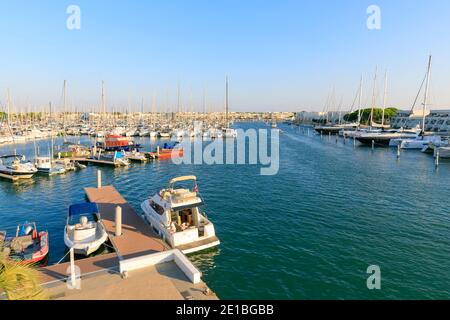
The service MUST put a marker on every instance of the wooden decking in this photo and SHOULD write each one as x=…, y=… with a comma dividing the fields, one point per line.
x=137, y=237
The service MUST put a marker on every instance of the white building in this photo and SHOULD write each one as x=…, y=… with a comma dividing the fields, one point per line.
x=315, y=116
x=435, y=120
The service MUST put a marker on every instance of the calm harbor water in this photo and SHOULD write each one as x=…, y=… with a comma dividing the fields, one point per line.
x=309, y=232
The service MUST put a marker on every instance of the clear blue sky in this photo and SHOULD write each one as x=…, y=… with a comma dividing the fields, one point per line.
x=279, y=55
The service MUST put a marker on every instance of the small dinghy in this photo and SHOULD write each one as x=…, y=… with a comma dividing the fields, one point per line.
x=84, y=231
x=29, y=246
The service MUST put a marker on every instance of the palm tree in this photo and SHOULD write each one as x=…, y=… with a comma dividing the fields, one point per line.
x=20, y=281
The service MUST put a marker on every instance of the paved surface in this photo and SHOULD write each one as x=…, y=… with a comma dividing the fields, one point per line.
x=161, y=282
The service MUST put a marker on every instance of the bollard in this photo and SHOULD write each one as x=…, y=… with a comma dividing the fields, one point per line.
x=437, y=158
x=398, y=151
x=118, y=221
x=72, y=268
x=99, y=179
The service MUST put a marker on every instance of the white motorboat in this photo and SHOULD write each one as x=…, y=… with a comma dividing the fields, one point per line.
x=46, y=166
x=418, y=142
x=84, y=231
x=175, y=215
x=15, y=165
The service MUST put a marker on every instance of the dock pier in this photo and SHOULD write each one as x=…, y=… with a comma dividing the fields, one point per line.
x=142, y=265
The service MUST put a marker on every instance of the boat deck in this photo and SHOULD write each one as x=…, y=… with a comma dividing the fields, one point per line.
x=199, y=245
x=137, y=237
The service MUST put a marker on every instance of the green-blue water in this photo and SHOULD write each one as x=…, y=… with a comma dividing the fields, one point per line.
x=309, y=232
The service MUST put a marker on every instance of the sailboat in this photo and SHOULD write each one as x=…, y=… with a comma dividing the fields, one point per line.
x=227, y=131
x=377, y=133
x=334, y=129
x=46, y=164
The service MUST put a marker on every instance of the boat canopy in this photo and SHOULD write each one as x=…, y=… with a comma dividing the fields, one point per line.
x=87, y=209
x=180, y=207
x=183, y=178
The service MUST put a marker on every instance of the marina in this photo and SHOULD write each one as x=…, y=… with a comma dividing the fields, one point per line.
x=224, y=155
x=370, y=194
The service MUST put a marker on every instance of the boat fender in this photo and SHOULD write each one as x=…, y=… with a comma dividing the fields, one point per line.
x=34, y=235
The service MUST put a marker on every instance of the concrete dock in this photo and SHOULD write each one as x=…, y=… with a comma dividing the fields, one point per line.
x=142, y=266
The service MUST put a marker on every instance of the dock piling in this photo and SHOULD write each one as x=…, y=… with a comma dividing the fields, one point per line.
x=398, y=151
x=436, y=161
x=99, y=179
x=72, y=268
x=373, y=144
x=118, y=221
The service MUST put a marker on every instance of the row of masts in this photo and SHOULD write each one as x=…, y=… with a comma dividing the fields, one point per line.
x=103, y=110
x=371, y=121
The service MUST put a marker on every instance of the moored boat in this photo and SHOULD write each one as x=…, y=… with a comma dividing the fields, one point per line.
x=16, y=166
x=29, y=246
x=84, y=231
x=175, y=215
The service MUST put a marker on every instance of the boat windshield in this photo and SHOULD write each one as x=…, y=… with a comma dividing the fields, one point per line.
x=88, y=210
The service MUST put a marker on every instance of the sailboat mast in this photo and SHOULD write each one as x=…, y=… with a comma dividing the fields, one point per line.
x=360, y=100
x=373, y=96
x=385, y=96
x=8, y=107
x=226, y=101
x=103, y=98
x=427, y=88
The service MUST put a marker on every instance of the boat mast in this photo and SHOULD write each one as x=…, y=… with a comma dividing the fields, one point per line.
x=385, y=96
x=103, y=98
x=8, y=107
x=427, y=88
x=373, y=96
x=64, y=107
x=226, y=102
x=360, y=100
